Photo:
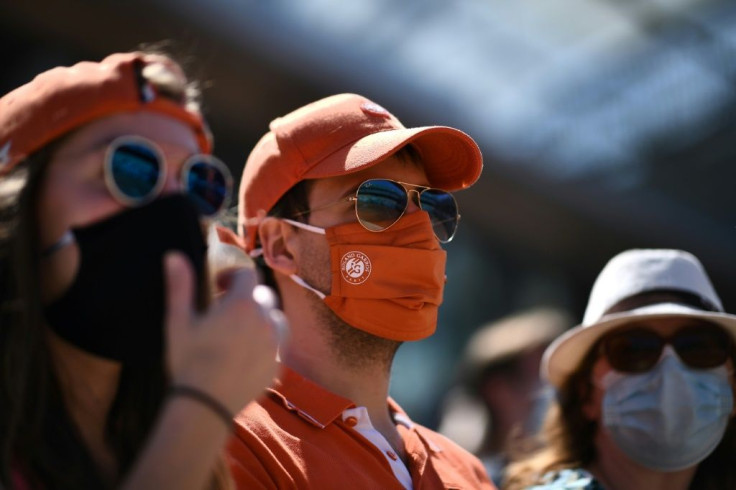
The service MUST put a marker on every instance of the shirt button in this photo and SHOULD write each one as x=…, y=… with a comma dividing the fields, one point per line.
x=392, y=455
x=351, y=421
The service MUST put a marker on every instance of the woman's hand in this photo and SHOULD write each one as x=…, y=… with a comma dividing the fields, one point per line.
x=229, y=351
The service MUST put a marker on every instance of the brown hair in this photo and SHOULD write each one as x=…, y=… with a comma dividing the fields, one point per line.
x=38, y=439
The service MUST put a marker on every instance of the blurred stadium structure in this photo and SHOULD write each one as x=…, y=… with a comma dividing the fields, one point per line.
x=605, y=124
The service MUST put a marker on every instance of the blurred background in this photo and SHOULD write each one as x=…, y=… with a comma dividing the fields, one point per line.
x=605, y=124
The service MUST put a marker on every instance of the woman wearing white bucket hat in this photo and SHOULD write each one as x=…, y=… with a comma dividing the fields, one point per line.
x=645, y=385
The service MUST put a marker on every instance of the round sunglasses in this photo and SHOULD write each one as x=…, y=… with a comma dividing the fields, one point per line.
x=135, y=173
x=638, y=349
x=380, y=203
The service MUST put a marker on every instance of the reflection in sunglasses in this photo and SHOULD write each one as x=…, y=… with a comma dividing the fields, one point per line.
x=135, y=172
x=380, y=203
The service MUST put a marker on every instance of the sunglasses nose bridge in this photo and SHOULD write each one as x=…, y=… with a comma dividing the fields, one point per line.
x=173, y=183
x=668, y=351
x=412, y=200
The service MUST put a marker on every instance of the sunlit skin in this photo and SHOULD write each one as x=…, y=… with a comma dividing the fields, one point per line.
x=289, y=250
x=74, y=194
x=612, y=467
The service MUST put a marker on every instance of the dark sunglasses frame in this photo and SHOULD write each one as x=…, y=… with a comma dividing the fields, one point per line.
x=716, y=347
x=131, y=201
x=409, y=190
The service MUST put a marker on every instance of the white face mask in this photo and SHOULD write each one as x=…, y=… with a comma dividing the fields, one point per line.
x=669, y=418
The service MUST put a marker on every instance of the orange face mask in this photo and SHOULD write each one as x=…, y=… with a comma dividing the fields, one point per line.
x=386, y=283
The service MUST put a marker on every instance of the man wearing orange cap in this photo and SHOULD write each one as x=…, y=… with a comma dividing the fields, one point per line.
x=345, y=210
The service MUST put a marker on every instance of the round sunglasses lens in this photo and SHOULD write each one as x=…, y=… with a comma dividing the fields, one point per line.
x=633, y=351
x=135, y=169
x=442, y=210
x=208, y=186
x=702, y=347
x=380, y=203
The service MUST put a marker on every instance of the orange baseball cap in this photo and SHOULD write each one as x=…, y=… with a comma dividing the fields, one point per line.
x=64, y=98
x=340, y=135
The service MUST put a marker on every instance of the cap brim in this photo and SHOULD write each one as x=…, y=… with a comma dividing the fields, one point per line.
x=451, y=159
x=564, y=355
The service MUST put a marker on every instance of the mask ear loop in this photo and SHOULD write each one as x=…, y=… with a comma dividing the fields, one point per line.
x=304, y=284
x=304, y=226
x=257, y=252
x=294, y=277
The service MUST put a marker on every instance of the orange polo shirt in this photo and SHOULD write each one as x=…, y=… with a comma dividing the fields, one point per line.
x=295, y=438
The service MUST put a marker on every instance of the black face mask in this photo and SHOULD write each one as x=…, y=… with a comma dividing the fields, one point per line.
x=115, y=306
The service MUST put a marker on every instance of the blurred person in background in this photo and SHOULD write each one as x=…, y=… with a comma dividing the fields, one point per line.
x=346, y=210
x=499, y=395
x=645, y=385
x=116, y=371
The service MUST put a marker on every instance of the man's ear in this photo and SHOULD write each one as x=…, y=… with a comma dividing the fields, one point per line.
x=276, y=238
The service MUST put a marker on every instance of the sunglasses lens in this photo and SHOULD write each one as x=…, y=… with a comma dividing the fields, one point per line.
x=380, y=203
x=702, y=347
x=135, y=171
x=442, y=210
x=633, y=351
x=209, y=185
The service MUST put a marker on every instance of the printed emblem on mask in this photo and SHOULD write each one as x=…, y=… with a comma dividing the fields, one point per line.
x=355, y=267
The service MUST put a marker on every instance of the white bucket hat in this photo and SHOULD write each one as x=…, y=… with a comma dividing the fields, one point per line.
x=628, y=274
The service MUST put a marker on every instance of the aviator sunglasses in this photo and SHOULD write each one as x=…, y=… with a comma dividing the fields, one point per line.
x=380, y=203
x=638, y=349
x=135, y=173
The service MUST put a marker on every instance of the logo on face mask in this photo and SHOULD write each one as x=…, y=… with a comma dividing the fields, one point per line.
x=400, y=301
x=355, y=267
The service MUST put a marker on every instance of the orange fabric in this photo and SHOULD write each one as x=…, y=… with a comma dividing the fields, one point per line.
x=339, y=135
x=389, y=283
x=227, y=236
x=65, y=98
x=294, y=438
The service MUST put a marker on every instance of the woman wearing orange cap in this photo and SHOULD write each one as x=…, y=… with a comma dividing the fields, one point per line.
x=645, y=385
x=116, y=371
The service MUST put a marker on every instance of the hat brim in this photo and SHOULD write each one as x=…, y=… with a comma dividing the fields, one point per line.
x=564, y=355
x=451, y=159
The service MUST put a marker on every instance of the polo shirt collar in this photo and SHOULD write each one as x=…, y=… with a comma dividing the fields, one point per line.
x=315, y=404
